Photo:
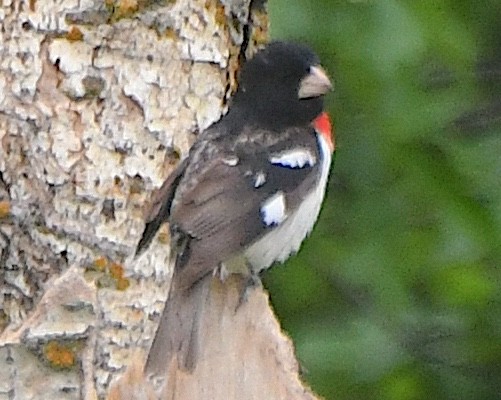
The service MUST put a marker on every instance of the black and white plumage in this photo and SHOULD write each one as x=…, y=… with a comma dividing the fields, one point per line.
x=251, y=189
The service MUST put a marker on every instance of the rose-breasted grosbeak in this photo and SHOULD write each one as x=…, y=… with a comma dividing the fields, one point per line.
x=250, y=190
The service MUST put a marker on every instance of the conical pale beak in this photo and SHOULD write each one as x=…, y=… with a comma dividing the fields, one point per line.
x=315, y=84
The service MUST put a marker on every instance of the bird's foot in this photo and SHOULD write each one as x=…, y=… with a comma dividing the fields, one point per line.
x=249, y=283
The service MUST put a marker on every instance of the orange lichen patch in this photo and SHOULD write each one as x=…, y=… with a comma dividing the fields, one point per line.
x=117, y=273
x=107, y=274
x=74, y=34
x=126, y=8
x=116, y=270
x=100, y=263
x=59, y=355
x=4, y=209
x=96, y=271
x=170, y=33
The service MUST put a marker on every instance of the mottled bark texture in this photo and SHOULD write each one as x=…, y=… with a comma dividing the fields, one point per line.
x=98, y=101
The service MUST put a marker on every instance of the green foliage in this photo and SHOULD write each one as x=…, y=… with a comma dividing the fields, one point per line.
x=396, y=295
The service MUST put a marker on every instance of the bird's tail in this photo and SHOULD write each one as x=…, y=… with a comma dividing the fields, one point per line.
x=178, y=332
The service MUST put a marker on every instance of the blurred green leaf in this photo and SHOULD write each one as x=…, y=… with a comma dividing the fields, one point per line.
x=396, y=294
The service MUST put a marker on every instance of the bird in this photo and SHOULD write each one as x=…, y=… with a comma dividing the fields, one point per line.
x=248, y=193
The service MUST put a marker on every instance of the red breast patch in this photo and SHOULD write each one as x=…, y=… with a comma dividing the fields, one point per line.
x=322, y=125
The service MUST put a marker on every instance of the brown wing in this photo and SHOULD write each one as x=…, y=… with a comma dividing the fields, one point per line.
x=220, y=213
x=159, y=209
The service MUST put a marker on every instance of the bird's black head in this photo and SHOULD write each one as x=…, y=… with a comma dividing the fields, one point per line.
x=281, y=86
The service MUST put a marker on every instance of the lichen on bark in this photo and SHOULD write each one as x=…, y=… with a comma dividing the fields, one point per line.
x=98, y=102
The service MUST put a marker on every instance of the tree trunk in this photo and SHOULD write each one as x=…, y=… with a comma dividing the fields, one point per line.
x=98, y=101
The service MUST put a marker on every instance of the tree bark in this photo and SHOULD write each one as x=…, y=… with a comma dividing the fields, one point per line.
x=99, y=99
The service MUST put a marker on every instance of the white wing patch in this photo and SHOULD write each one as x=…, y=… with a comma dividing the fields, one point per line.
x=230, y=161
x=283, y=240
x=259, y=179
x=273, y=209
x=295, y=158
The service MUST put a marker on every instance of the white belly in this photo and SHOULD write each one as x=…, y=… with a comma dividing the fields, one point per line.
x=287, y=237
